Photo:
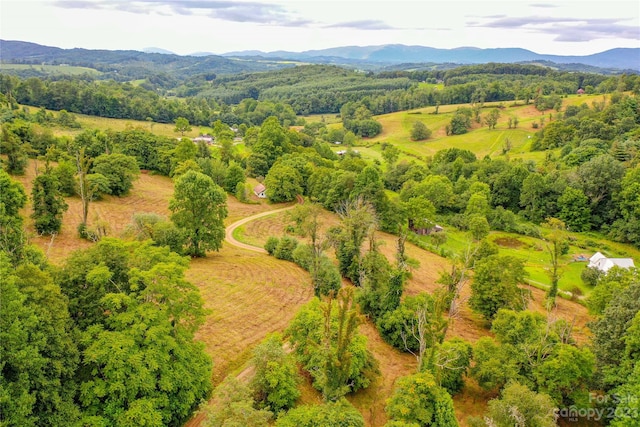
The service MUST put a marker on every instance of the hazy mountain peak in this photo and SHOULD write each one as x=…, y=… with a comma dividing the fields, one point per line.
x=157, y=50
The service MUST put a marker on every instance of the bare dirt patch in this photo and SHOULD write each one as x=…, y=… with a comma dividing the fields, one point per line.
x=509, y=242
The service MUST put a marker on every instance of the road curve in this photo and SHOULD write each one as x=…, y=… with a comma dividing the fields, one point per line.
x=229, y=230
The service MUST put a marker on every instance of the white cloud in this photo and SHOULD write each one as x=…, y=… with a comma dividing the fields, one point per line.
x=186, y=26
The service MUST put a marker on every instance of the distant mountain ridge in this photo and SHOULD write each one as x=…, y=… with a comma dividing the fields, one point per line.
x=132, y=63
x=621, y=58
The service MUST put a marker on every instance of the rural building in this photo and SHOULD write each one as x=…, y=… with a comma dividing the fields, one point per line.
x=605, y=264
x=208, y=139
x=426, y=231
x=580, y=91
x=259, y=190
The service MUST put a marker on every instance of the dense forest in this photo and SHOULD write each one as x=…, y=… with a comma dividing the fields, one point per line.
x=108, y=337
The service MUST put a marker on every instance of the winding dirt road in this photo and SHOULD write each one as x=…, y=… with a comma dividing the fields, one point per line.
x=229, y=230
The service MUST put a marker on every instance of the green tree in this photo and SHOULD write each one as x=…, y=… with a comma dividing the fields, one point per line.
x=420, y=213
x=520, y=406
x=233, y=405
x=276, y=377
x=37, y=349
x=48, y=203
x=416, y=326
x=628, y=227
x=86, y=189
x=495, y=285
x=327, y=343
x=610, y=334
x=65, y=173
x=140, y=364
x=15, y=150
x=478, y=226
x=272, y=143
x=565, y=374
x=450, y=365
x=182, y=125
x=390, y=154
x=12, y=199
x=199, y=207
x=120, y=171
x=308, y=223
x=235, y=176
x=491, y=120
x=557, y=241
x=460, y=122
x=358, y=221
x=184, y=151
x=574, y=210
x=329, y=414
x=600, y=178
x=420, y=132
x=628, y=407
x=418, y=399
x=494, y=365
x=283, y=183
x=436, y=188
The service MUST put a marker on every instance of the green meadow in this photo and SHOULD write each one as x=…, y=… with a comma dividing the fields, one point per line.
x=50, y=69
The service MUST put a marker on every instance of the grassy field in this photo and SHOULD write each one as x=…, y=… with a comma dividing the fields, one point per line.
x=51, y=69
x=533, y=252
x=104, y=123
x=396, y=130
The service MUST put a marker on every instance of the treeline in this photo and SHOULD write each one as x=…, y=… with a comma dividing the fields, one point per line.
x=104, y=99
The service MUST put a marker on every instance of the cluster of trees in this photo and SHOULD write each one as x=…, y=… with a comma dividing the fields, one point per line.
x=107, y=339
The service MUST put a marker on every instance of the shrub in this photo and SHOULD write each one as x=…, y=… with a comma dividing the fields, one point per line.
x=271, y=245
x=285, y=248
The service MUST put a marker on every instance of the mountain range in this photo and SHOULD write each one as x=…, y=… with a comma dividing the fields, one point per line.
x=136, y=64
x=130, y=63
x=621, y=58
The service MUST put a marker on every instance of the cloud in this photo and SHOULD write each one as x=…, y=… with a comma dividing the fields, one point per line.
x=236, y=11
x=544, y=5
x=565, y=29
x=365, y=24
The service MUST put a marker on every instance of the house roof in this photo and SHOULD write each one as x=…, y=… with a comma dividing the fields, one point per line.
x=259, y=188
x=605, y=264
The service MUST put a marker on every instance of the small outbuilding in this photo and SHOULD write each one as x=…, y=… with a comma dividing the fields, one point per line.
x=580, y=91
x=207, y=139
x=604, y=264
x=259, y=190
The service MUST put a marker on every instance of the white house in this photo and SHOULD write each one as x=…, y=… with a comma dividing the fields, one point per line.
x=259, y=190
x=605, y=264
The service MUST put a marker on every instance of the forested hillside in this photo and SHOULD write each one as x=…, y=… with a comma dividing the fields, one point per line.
x=125, y=65
x=444, y=289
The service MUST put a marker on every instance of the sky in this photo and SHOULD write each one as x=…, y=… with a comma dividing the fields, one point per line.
x=568, y=27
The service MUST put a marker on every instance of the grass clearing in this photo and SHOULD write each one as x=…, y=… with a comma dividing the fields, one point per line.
x=69, y=70
x=396, y=130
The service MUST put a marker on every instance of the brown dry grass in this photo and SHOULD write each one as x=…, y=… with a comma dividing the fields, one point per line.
x=249, y=295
